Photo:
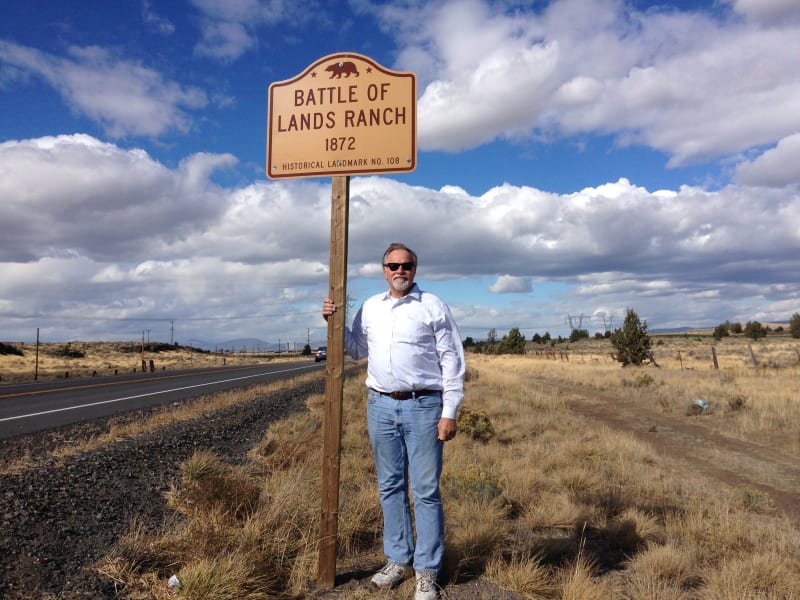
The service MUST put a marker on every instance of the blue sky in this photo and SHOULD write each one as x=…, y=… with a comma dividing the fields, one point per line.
x=575, y=158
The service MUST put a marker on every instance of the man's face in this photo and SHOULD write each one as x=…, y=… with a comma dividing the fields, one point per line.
x=402, y=279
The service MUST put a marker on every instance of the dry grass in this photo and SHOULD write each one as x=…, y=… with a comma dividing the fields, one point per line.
x=538, y=500
x=745, y=401
x=98, y=359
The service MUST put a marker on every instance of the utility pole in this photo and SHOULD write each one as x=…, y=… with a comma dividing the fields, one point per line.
x=172, y=332
x=36, y=370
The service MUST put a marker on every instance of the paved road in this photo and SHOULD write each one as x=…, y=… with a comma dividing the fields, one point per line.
x=25, y=408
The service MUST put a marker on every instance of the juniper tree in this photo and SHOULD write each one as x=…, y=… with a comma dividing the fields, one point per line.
x=631, y=342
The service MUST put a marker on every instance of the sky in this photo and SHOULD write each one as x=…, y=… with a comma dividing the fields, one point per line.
x=575, y=158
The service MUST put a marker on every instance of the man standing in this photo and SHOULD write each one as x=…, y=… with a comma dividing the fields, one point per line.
x=415, y=381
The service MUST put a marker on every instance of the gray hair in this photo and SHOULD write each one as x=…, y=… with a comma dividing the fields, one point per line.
x=398, y=246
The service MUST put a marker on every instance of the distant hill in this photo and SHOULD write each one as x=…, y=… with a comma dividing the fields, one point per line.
x=707, y=330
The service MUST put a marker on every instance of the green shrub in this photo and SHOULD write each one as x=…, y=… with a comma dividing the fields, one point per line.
x=475, y=425
x=578, y=334
x=794, y=325
x=755, y=330
x=7, y=349
x=67, y=352
x=513, y=343
x=722, y=330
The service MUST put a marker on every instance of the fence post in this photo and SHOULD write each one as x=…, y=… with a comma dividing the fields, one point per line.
x=714, y=355
x=753, y=356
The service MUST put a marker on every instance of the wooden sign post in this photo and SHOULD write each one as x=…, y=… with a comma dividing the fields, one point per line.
x=343, y=115
x=332, y=424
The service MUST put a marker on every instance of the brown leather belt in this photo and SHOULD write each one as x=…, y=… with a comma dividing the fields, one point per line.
x=408, y=395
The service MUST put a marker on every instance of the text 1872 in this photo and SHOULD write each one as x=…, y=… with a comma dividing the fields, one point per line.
x=340, y=143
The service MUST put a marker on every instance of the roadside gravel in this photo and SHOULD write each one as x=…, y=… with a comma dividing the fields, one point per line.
x=60, y=517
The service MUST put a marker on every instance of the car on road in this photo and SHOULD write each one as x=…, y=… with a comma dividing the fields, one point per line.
x=320, y=353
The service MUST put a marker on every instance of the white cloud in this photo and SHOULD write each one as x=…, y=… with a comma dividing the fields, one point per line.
x=776, y=167
x=770, y=11
x=94, y=232
x=506, y=284
x=224, y=40
x=79, y=194
x=671, y=80
x=229, y=29
x=125, y=97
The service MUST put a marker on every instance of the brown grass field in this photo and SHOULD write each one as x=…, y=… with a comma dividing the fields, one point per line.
x=571, y=477
x=109, y=358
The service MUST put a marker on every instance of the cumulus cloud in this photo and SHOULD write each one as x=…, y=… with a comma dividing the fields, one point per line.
x=125, y=97
x=506, y=284
x=776, y=167
x=91, y=230
x=769, y=11
x=78, y=194
x=667, y=79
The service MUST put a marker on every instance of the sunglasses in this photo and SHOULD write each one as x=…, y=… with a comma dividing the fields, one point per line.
x=407, y=266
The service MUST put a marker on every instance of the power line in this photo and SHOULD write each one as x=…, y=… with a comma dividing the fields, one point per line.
x=155, y=319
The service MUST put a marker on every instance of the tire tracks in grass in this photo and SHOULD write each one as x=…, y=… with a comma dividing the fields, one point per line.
x=735, y=462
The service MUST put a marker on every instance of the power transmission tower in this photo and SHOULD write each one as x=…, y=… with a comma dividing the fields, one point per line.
x=579, y=319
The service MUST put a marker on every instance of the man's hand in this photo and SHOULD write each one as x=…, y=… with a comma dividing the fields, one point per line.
x=447, y=429
x=328, y=308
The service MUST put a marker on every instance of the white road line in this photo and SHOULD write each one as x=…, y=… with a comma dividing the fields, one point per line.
x=188, y=387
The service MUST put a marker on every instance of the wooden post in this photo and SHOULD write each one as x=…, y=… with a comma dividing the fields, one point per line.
x=36, y=369
x=334, y=366
x=753, y=356
x=714, y=355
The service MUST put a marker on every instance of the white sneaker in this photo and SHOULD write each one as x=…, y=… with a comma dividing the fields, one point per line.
x=426, y=587
x=391, y=575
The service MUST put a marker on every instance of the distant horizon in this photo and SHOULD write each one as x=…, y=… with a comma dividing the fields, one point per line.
x=272, y=346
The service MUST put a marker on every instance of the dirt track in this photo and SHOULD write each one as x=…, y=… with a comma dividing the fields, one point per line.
x=686, y=439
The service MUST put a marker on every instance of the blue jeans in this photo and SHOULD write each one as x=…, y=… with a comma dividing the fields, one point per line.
x=403, y=434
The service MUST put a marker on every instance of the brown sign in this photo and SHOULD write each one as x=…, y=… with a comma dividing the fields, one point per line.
x=343, y=115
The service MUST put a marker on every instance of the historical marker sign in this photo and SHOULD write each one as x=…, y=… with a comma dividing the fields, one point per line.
x=344, y=115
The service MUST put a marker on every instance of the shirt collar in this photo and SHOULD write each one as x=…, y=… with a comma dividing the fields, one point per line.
x=415, y=293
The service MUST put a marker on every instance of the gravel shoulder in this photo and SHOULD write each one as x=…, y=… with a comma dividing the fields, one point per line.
x=59, y=518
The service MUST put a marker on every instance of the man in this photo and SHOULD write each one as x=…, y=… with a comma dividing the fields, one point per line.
x=415, y=381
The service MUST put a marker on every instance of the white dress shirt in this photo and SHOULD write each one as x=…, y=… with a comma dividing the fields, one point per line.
x=412, y=344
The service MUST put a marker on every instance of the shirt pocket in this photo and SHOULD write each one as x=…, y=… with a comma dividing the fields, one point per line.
x=413, y=333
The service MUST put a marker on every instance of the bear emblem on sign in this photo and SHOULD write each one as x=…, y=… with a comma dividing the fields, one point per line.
x=342, y=68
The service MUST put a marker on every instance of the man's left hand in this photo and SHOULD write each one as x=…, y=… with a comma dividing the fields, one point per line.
x=447, y=429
